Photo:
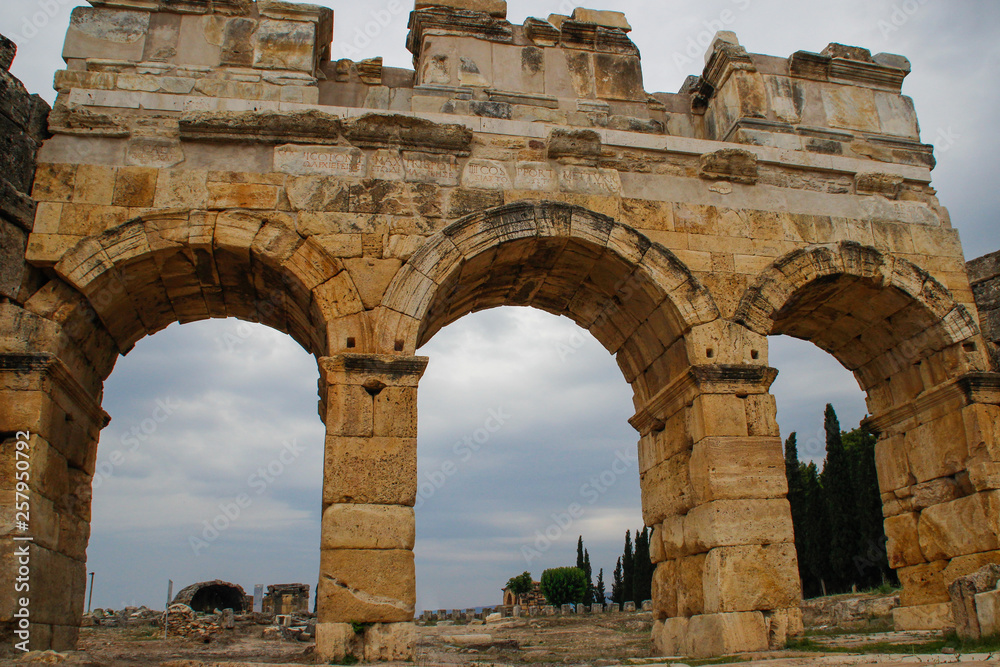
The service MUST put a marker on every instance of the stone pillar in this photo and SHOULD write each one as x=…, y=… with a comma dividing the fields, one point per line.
x=369, y=489
x=938, y=461
x=714, y=490
x=52, y=420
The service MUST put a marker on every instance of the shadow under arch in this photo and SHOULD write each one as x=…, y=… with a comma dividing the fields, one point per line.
x=635, y=296
x=879, y=315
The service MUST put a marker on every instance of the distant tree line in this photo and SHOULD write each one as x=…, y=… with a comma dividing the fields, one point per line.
x=837, y=512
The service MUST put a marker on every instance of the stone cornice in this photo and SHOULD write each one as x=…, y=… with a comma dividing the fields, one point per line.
x=369, y=369
x=59, y=373
x=709, y=379
x=981, y=387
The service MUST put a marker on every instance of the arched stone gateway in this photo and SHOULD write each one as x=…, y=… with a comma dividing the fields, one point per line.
x=208, y=160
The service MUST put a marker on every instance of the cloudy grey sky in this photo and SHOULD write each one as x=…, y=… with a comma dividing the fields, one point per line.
x=242, y=397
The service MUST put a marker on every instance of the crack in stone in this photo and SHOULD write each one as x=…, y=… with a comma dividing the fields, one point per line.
x=369, y=598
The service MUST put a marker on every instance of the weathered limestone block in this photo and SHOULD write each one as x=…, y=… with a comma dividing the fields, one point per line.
x=608, y=19
x=729, y=164
x=670, y=636
x=964, y=593
x=495, y=8
x=7, y=51
x=903, y=546
x=937, y=448
x=370, y=470
x=366, y=586
x=691, y=579
x=114, y=34
x=726, y=523
x=725, y=634
x=666, y=489
x=988, y=613
x=923, y=584
x=956, y=528
x=751, y=578
x=876, y=183
x=388, y=642
x=285, y=45
x=351, y=526
x=734, y=468
x=924, y=617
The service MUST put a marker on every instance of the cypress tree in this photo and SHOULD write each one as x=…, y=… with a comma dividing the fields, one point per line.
x=871, y=563
x=815, y=533
x=797, y=501
x=628, y=570
x=589, y=598
x=579, y=553
x=617, y=586
x=600, y=596
x=642, y=581
x=841, y=504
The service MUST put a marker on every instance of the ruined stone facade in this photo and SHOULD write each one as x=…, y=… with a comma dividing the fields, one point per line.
x=209, y=160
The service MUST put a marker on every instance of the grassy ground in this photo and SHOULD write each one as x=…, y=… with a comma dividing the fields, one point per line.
x=985, y=645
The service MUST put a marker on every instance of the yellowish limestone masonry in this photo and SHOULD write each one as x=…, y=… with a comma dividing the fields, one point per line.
x=208, y=159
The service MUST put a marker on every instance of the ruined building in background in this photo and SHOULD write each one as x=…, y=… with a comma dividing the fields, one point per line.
x=208, y=159
x=286, y=599
x=533, y=598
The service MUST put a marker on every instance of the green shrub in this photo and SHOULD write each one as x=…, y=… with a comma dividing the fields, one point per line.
x=564, y=585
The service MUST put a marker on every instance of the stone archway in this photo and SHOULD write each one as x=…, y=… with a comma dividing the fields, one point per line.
x=106, y=293
x=920, y=359
x=711, y=468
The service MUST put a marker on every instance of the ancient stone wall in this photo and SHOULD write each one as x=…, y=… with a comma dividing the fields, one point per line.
x=984, y=274
x=208, y=159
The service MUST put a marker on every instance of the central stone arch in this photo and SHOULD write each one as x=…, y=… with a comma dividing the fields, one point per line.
x=711, y=466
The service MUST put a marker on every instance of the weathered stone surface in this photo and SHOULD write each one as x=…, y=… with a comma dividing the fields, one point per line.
x=369, y=470
x=955, y=529
x=393, y=131
x=964, y=593
x=925, y=617
x=726, y=523
x=495, y=8
x=988, y=613
x=366, y=586
x=734, y=468
x=729, y=164
x=7, y=51
x=323, y=160
x=574, y=143
x=724, y=634
x=285, y=45
x=310, y=126
x=751, y=578
x=602, y=18
x=350, y=526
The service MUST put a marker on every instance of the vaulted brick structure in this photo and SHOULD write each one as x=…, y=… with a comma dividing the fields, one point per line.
x=207, y=159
